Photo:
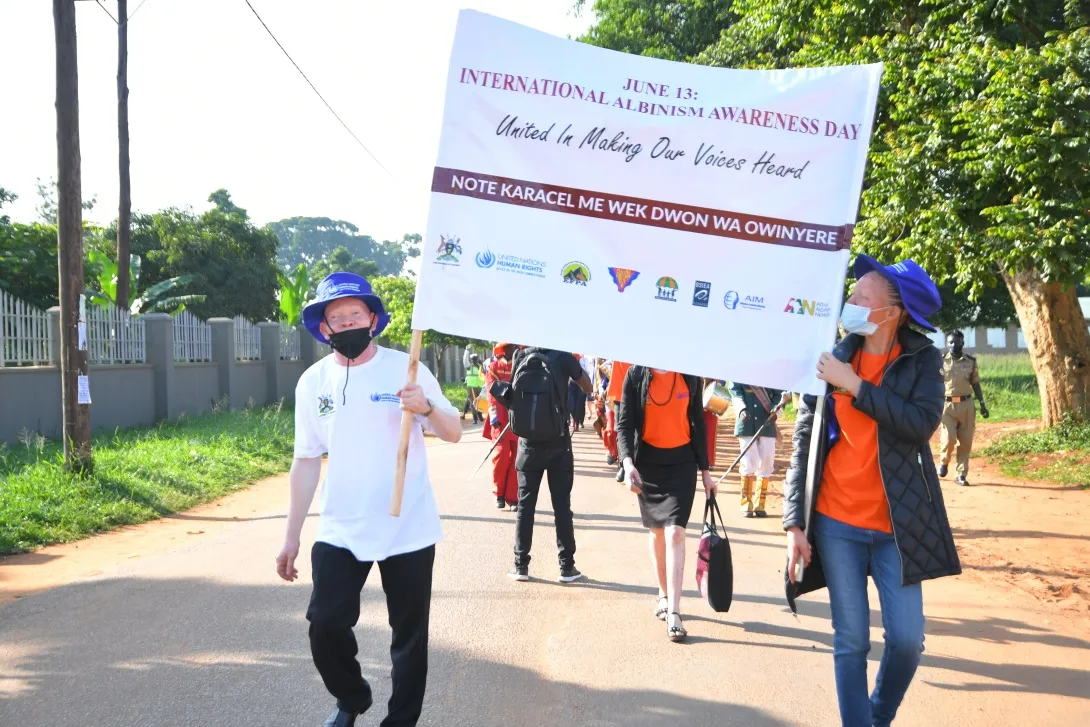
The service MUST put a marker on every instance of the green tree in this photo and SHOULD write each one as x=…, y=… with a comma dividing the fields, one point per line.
x=47, y=204
x=677, y=30
x=28, y=262
x=993, y=308
x=980, y=153
x=222, y=199
x=309, y=239
x=5, y=197
x=153, y=299
x=292, y=294
x=231, y=260
x=398, y=295
x=341, y=260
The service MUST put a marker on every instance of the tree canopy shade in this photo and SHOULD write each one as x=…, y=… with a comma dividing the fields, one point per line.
x=309, y=239
x=980, y=152
x=677, y=30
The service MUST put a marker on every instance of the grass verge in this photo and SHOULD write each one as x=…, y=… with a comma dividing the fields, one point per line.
x=455, y=392
x=139, y=474
x=1060, y=454
x=1009, y=386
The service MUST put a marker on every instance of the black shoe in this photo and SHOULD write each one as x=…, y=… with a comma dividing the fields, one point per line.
x=760, y=513
x=943, y=469
x=501, y=503
x=341, y=718
x=569, y=574
x=609, y=460
x=749, y=513
x=620, y=475
x=519, y=573
x=962, y=481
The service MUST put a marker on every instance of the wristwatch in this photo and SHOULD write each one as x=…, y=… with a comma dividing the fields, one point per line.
x=431, y=408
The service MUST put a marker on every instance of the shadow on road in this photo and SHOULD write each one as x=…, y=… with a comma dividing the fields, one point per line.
x=197, y=652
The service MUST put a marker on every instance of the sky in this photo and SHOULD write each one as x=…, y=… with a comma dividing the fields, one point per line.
x=214, y=103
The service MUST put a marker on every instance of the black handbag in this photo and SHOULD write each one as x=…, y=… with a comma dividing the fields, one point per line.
x=714, y=566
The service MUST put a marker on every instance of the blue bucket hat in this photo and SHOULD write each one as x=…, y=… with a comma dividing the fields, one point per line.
x=342, y=285
x=919, y=296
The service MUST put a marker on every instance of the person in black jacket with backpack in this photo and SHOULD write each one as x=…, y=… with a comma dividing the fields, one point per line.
x=539, y=417
x=874, y=506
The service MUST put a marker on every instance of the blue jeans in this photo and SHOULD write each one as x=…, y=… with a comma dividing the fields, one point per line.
x=847, y=554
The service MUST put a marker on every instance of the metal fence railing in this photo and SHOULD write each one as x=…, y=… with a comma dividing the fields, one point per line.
x=290, y=345
x=247, y=340
x=114, y=336
x=192, y=338
x=24, y=333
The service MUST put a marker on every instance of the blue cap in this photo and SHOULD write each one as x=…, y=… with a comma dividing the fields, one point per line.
x=342, y=285
x=919, y=296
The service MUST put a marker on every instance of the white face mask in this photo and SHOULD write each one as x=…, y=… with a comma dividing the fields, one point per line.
x=856, y=319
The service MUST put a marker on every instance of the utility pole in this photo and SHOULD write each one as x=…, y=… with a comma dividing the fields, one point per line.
x=77, y=416
x=124, y=213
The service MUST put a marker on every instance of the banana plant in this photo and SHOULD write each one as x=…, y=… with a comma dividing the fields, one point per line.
x=151, y=300
x=292, y=294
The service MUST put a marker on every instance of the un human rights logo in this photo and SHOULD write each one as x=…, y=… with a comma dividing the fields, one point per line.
x=485, y=258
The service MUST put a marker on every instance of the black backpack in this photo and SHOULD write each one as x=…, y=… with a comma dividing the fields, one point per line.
x=537, y=406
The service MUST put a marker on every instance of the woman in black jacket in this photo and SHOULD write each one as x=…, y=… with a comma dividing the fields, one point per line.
x=874, y=505
x=662, y=443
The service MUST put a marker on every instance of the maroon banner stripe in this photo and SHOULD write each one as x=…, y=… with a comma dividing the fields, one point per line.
x=655, y=213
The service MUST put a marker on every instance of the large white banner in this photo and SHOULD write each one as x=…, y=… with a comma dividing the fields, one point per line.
x=684, y=217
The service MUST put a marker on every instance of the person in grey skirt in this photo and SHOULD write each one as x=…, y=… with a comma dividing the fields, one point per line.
x=662, y=443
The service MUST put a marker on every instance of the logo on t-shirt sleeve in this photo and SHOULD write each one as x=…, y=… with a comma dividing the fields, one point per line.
x=325, y=405
x=387, y=398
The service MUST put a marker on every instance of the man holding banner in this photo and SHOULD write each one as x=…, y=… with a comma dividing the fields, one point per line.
x=350, y=405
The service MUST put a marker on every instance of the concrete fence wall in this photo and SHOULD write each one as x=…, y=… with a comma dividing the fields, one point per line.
x=132, y=395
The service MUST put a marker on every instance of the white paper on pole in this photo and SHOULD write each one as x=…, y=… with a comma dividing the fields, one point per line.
x=81, y=329
x=83, y=390
x=617, y=205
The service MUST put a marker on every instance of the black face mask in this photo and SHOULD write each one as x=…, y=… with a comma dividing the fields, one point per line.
x=351, y=343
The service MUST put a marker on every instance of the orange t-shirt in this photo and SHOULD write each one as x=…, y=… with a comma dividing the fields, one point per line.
x=616, y=380
x=666, y=417
x=851, y=486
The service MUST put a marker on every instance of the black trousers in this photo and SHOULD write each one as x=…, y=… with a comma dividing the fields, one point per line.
x=532, y=462
x=335, y=609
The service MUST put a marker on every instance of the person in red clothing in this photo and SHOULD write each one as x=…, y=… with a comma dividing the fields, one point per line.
x=613, y=405
x=505, y=484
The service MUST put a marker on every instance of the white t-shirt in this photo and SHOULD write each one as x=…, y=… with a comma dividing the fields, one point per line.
x=357, y=421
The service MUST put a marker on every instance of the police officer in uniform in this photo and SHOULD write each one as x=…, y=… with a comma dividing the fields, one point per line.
x=959, y=414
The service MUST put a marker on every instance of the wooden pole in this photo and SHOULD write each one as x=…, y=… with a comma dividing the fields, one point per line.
x=124, y=211
x=406, y=429
x=76, y=416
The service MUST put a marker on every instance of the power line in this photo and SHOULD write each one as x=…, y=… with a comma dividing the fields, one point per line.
x=335, y=114
x=106, y=11
x=134, y=12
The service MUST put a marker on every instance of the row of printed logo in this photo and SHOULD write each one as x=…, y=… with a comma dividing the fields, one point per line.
x=578, y=273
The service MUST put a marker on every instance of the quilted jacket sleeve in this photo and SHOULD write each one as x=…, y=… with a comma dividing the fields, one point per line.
x=627, y=418
x=913, y=419
x=699, y=433
x=794, y=488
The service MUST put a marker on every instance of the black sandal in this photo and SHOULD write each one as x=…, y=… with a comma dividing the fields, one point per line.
x=678, y=633
x=662, y=606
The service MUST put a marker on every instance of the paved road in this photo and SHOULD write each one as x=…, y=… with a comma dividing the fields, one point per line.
x=203, y=633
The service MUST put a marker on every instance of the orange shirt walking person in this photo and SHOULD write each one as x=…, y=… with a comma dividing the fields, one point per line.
x=662, y=443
